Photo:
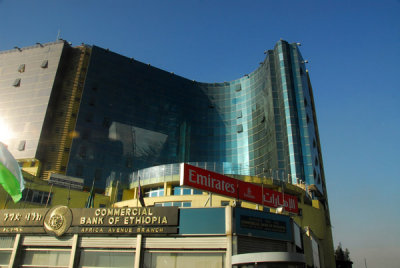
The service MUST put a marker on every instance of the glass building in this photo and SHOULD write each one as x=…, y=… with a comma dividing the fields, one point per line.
x=104, y=116
x=83, y=116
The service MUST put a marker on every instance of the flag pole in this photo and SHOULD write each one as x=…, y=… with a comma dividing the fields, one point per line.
x=48, y=196
x=90, y=201
x=140, y=195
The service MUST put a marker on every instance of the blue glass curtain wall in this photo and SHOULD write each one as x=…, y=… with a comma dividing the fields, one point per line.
x=134, y=116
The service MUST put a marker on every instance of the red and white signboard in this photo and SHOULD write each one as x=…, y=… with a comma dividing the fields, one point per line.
x=208, y=181
x=276, y=199
x=250, y=192
x=216, y=183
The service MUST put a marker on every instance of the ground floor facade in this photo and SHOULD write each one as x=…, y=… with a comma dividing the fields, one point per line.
x=152, y=237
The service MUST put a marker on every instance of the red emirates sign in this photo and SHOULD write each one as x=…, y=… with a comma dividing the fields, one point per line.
x=276, y=199
x=216, y=183
x=250, y=192
x=209, y=181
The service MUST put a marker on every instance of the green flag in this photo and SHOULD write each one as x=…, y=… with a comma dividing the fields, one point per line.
x=10, y=174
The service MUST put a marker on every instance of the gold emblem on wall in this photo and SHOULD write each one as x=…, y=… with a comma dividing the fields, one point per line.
x=58, y=220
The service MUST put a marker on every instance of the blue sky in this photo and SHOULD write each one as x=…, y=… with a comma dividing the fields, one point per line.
x=353, y=48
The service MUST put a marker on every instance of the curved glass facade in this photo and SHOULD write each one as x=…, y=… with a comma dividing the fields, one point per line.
x=134, y=116
x=171, y=172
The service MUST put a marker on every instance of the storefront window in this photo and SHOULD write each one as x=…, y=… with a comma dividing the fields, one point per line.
x=6, y=245
x=183, y=260
x=106, y=258
x=34, y=257
x=5, y=258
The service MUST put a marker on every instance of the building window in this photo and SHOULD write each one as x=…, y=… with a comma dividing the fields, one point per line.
x=82, y=152
x=154, y=192
x=239, y=128
x=106, y=122
x=178, y=190
x=44, y=64
x=97, y=173
x=78, y=170
x=6, y=245
x=36, y=196
x=106, y=257
x=224, y=203
x=21, y=68
x=21, y=145
x=129, y=162
x=92, y=102
x=45, y=257
x=239, y=114
x=89, y=118
x=184, y=259
x=86, y=135
x=182, y=204
x=17, y=82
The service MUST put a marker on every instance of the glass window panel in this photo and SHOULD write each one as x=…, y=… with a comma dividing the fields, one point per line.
x=107, y=258
x=21, y=68
x=6, y=242
x=161, y=192
x=5, y=258
x=186, y=204
x=48, y=257
x=187, y=191
x=183, y=260
x=17, y=82
x=44, y=64
x=177, y=190
x=196, y=191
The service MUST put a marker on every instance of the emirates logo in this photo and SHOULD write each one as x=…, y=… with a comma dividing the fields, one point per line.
x=249, y=194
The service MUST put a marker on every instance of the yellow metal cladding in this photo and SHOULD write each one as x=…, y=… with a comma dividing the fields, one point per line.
x=59, y=196
x=56, y=157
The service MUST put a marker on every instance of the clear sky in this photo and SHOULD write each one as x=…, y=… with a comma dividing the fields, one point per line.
x=353, y=48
